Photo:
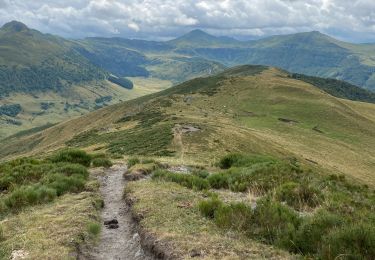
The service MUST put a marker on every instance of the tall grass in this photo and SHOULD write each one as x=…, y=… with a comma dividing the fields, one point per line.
x=27, y=182
x=186, y=180
x=72, y=156
x=339, y=223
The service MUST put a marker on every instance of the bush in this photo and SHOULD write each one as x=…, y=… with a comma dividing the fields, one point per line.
x=29, y=195
x=309, y=236
x=241, y=160
x=201, y=174
x=237, y=216
x=101, y=162
x=98, y=155
x=29, y=182
x=209, y=207
x=70, y=169
x=263, y=177
x=94, y=228
x=72, y=156
x=133, y=161
x=23, y=174
x=219, y=180
x=186, y=180
x=299, y=196
x=63, y=184
x=229, y=160
x=274, y=223
x=350, y=242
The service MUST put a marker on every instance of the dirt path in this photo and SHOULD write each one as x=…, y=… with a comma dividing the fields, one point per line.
x=177, y=140
x=122, y=242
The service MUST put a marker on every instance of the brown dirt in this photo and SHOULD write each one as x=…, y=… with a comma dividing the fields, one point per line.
x=124, y=242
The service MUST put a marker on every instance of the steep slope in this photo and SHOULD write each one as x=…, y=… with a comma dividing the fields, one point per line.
x=250, y=109
x=44, y=80
x=32, y=61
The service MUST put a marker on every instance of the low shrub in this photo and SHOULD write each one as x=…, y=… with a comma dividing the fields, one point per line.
x=63, y=184
x=274, y=223
x=219, y=180
x=350, y=242
x=299, y=196
x=229, y=160
x=72, y=156
x=23, y=174
x=309, y=236
x=242, y=160
x=133, y=161
x=94, y=228
x=102, y=162
x=209, y=207
x=186, y=180
x=69, y=169
x=98, y=155
x=29, y=195
x=201, y=173
x=28, y=182
x=236, y=216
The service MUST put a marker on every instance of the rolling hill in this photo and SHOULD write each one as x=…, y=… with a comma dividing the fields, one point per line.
x=252, y=109
x=45, y=79
x=251, y=163
x=310, y=53
x=32, y=61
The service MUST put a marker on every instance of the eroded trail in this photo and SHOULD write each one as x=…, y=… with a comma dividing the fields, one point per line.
x=122, y=242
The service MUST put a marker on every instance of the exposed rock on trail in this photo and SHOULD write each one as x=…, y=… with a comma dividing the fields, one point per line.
x=118, y=239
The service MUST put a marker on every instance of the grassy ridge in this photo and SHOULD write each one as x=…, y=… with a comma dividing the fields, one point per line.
x=338, y=88
x=252, y=109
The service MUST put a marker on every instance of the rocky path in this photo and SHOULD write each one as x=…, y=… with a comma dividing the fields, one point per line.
x=118, y=239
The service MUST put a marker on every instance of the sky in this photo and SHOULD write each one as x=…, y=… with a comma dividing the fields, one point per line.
x=350, y=20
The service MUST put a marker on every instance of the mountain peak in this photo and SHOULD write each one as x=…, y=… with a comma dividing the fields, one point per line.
x=15, y=26
x=198, y=32
x=201, y=38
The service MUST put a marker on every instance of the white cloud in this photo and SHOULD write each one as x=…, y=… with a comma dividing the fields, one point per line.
x=351, y=19
x=134, y=27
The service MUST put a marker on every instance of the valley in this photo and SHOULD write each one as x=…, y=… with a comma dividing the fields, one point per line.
x=115, y=148
x=76, y=70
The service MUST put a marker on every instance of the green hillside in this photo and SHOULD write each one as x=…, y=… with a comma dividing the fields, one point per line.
x=309, y=53
x=249, y=163
x=136, y=58
x=32, y=61
x=250, y=109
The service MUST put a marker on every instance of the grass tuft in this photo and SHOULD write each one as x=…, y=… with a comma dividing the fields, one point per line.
x=72, y=156
x=94, y=228
x=101, y=162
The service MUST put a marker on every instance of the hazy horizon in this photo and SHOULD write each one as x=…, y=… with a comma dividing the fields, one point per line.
x=163, y=20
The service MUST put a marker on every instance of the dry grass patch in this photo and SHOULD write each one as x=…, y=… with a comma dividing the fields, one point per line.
x=50, y=231
x=170, y=212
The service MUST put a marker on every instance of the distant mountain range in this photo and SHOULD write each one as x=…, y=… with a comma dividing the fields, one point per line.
x=30, y=60
x=45, y=79
x=310, y=53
